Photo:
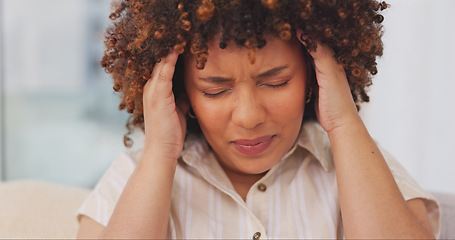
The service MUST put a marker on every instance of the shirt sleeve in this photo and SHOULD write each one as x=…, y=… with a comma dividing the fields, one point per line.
x=411, y=190
x=101, y=202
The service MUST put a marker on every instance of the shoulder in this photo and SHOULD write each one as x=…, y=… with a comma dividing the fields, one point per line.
x=101, y=202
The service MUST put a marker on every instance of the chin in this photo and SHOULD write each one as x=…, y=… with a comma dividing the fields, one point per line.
x=252, y=168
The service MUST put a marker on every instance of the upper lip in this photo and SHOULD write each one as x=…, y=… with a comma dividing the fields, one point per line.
x=253, y=142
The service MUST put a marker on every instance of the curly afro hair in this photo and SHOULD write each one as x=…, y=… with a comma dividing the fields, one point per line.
x=144, y=31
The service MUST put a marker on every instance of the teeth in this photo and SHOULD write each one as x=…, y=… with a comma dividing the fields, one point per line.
x=250, y=145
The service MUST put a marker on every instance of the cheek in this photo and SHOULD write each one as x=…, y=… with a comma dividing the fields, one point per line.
x=210, y=114
x=288, y=104
x=287, y=109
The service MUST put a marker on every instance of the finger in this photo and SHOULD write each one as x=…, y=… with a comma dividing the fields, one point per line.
x=324, y=59
x=160, y=82
x=316, y=102
x=165, y=68
x=323, y=56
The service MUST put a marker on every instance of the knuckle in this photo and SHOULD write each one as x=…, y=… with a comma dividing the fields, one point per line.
x=162, y=76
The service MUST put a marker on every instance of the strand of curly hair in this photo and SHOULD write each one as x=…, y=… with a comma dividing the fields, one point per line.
x=144, y=31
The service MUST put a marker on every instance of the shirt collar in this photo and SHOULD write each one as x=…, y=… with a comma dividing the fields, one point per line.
x=314, y=139
x=198, y=154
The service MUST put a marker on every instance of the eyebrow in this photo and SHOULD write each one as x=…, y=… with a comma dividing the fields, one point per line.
x=269, y=73
x=214, y=79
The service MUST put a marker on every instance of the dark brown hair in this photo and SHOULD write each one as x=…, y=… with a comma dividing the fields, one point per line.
x=144, y=31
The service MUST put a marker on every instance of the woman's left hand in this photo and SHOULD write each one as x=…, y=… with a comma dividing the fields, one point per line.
x=334, y=105
x=360, y=167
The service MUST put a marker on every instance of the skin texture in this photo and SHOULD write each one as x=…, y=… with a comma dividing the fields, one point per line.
x=143, y=31
x=248, y=107
x=370, y=202
x=359, y=164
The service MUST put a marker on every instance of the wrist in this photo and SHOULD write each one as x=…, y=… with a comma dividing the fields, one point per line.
x=350, y=126
x=157, y=158
x=165, y=148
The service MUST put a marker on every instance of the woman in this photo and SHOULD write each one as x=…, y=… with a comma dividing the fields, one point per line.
x=248, y=134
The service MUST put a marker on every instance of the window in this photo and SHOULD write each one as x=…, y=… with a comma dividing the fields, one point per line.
x=60, y=118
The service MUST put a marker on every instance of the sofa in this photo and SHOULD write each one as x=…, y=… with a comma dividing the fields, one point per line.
x=37, y=209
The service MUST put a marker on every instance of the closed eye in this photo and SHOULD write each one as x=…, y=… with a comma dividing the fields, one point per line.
x=272, y=85
x=212, y=95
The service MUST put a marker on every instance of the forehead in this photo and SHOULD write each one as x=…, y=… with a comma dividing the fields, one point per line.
x=275, y=52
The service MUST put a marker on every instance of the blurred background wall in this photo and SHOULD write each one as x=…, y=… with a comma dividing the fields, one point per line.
x=60, y=119
x=412, y=109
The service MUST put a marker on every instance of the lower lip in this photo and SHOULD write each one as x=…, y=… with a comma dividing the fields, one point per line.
x=254, y=149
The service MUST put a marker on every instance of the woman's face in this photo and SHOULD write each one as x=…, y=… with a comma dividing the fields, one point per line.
x=250, y=114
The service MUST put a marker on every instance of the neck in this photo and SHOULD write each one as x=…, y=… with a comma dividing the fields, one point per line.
x=242, y=182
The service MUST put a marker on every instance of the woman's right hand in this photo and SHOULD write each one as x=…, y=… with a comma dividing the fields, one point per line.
x=142, y=211
x=164, y=120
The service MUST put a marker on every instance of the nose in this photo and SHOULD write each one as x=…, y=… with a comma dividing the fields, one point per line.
x=248, y=110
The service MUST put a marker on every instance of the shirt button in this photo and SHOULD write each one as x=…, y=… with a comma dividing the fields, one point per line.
x=262, y=187
x=256, y=236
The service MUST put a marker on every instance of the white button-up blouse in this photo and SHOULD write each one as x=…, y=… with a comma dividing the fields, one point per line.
x=297, y=198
